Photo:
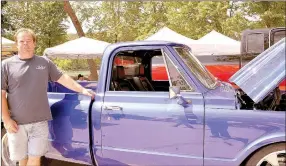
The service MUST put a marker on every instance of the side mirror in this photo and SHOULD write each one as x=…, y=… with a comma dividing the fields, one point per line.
x=174, y=92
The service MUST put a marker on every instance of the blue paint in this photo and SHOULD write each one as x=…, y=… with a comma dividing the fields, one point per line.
x=149, y=128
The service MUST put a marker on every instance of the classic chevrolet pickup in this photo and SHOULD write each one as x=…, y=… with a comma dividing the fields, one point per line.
x=190, y=119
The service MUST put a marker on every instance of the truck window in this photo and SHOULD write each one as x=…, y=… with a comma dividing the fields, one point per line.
x=158, y=71
x=202, y=74
x=129, y=63
x=255, y=41
x=128, y=73
x=131, y=71
x=277, y=35
x=175, y=76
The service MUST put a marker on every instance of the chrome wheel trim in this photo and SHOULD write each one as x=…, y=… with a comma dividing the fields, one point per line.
x=272, y=158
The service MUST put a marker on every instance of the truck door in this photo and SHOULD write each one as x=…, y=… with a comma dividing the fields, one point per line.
x=69, y=129
x=149, y=128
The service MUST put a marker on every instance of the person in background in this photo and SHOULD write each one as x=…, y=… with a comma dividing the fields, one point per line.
x=25, y=109
x=80, y=77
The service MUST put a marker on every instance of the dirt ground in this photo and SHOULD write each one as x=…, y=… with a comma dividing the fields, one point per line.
x=49, y=162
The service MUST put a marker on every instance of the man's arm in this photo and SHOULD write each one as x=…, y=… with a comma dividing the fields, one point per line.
x=9, y=124
x=56, y=75
x=5, y=111
x=68, y=82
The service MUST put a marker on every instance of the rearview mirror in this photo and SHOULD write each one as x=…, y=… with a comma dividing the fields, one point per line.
x=174, y=92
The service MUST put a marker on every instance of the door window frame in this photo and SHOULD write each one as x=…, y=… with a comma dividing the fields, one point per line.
x=165, y=55
x=164, y=50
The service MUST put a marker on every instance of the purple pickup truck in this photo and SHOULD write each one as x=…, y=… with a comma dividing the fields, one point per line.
x=192, y=119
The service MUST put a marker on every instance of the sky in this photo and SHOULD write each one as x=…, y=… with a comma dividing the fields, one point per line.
x=71, y=28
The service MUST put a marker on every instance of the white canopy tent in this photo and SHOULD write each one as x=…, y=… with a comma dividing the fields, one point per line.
x=166, y=34
x=7, y=46
x=81, y=48
x=215, y=43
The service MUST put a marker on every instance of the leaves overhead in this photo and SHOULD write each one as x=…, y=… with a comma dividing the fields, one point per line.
x=269, y=14
x=45, y=18
x=115, y=21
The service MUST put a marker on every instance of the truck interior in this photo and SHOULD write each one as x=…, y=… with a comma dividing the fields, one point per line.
x=132, y=71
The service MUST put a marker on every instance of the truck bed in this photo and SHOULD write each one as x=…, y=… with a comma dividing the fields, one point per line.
x=58, y=88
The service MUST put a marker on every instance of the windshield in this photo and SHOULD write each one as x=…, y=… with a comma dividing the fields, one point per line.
x=205, y=77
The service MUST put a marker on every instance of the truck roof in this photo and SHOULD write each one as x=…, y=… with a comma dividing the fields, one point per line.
x=139, y=43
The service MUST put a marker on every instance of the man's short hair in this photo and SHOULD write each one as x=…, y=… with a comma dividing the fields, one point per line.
x=30, y=31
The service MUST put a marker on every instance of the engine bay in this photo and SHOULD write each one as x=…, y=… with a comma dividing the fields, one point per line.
x=274, y=101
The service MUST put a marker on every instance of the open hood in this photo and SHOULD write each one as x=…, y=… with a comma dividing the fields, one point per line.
x=263, y=74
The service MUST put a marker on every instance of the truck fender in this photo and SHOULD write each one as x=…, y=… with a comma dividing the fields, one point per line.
x=260, y=143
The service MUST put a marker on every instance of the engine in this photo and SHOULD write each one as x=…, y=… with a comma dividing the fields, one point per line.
x=274, y=101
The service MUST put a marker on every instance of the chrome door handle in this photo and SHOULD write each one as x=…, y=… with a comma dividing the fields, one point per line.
x=113, y=108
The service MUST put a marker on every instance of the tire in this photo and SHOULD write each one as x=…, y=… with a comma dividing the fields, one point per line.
x=264, y=154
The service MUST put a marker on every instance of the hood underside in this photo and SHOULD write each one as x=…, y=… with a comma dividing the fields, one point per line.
x=263, y=74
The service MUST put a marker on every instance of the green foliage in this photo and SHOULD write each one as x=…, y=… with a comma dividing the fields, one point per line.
x=115, y=21
x=124, y=20
x=110, y=21
x=5, y=24
x=269, y=14
x=71, y=64
x=74, y=64
x=45, y=18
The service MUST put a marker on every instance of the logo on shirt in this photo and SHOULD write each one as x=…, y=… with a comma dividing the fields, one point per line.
x=40, y=67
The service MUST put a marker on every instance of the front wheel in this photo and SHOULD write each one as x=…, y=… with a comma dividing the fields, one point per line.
x=273, y=155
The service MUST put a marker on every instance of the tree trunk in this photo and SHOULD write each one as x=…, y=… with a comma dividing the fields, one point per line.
x=92, y=65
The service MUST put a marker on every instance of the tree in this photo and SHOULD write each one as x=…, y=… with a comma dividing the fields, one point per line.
x=110, y=21
x=152, y=18
x=68, y=9
x=121, y=20
x=45, y=18
x=268, y=14
x=125, y=20
x=182, y=17
x=5, y=25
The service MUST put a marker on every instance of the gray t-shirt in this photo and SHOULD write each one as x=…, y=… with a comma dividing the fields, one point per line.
x=26, y=84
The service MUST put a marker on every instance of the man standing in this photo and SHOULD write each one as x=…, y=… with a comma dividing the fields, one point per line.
x=25, y=107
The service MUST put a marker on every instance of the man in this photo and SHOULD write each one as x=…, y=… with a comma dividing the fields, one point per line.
x=25, y=107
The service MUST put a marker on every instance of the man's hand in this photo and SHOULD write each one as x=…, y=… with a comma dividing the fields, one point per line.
x=11, y=126
x=88, y=92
